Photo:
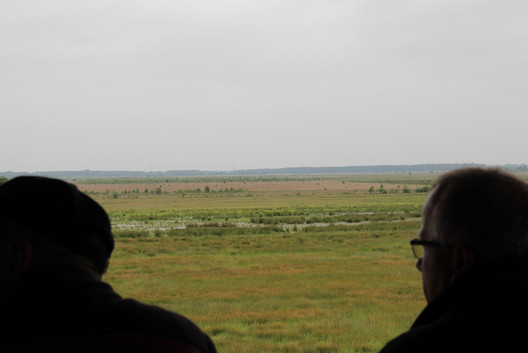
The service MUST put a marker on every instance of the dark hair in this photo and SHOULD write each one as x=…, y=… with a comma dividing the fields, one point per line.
x=486, y=209
x=58, y=211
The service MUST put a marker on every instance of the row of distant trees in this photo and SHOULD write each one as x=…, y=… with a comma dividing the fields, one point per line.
x=405, y=189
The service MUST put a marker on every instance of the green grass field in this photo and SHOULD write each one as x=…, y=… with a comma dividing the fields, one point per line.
x=274, y=272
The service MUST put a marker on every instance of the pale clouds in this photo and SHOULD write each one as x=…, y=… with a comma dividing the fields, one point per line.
x=252, y=84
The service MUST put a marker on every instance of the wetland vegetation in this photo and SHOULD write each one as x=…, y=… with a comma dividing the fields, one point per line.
x=316, y=264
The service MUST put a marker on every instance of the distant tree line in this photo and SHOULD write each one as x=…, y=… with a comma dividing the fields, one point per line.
x=97, y=174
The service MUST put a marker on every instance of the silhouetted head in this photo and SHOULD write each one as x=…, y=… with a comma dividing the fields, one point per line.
x=487, y=209
x=55, y=214
x=473, y=216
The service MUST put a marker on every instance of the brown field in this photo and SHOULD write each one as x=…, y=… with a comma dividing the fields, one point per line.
x=257, y=186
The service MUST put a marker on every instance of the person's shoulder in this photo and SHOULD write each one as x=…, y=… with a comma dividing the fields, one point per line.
x=435, y=330
x=153, y=314
x=132, y=316
x=409, y=342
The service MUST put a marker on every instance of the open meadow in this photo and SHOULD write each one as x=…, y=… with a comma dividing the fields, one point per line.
x=301, y=264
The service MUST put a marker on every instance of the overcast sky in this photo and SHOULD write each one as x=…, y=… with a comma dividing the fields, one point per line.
x=227, y=84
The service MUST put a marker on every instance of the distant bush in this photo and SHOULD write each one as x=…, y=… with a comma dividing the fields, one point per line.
x=423, y=189
x=130, y=233
x=279, y=220
x=221, y=231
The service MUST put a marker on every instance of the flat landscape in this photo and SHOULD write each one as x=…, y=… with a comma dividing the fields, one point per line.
x=274, y=264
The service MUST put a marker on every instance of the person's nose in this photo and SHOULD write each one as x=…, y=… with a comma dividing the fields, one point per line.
x=419, y=264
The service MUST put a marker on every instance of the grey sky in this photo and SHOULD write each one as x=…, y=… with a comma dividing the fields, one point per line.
x=222, y=84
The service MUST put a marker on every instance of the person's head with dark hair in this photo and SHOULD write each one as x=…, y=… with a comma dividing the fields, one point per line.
x=48, y=221
x=486, y=209
x=55, y=244
x=472, y=252
x=481, y=215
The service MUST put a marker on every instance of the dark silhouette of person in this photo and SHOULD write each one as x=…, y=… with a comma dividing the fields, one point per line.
x=472, y=251
x=55, y=244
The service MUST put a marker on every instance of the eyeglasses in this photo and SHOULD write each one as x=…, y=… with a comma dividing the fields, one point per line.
x=418, y=244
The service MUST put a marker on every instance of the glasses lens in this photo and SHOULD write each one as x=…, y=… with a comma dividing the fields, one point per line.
x=417, y=250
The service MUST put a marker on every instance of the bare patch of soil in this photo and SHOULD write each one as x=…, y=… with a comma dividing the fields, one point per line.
x=258, y=186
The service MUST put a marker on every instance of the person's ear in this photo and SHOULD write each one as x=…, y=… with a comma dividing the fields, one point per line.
x=20, y=256
x=462, y=260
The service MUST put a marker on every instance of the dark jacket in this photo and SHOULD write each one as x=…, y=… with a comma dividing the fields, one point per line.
x=484, y=311
x=66, y=304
